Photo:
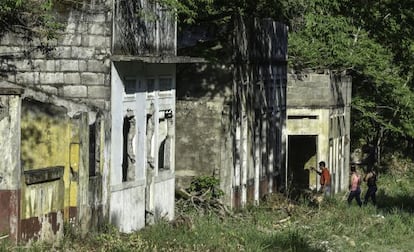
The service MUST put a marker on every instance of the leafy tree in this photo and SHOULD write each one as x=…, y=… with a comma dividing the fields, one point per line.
x=372, y=40
x=29, y=18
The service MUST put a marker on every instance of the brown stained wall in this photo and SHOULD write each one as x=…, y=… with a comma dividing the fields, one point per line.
x=250, y=192
x=32, y=227
x=42, y=210
x=10, y=213
x=10, y=172
x=4, y=211
x=236, y=198
x=263, y=187
x=53, y=164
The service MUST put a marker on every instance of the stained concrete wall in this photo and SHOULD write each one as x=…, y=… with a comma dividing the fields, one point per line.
x=164, y=201
x=74, y=70
x=10, y=172
x=76, y=76
x=203, y=145
x=151, y=191
x=51, y=140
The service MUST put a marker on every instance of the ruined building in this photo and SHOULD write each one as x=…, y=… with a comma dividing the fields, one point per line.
x=231, y=117
x=257, y=127
x=88, y=126
x=318, y=128
x=89, y=120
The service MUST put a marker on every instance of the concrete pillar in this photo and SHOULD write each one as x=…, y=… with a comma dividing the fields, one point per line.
x=10, y=173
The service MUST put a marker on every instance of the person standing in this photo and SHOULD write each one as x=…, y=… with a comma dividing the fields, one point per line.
x=325, y=180
x=355, y=187
x=371, y=180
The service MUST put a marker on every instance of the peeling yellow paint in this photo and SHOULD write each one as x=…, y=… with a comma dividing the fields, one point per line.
x=49, y=140
x=44, y=143
x=74, y=173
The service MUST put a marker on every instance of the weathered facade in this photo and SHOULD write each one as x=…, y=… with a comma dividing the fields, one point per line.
x=47, y=164
x=318, y=128
x=89, y=125
x=143, y=113
x=258, y=128
x=63, y=120
x=230, y=125
x=10, y=174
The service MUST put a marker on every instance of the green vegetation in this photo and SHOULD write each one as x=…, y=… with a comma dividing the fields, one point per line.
x=373, y=41
x=29, y=18
x=277, y=225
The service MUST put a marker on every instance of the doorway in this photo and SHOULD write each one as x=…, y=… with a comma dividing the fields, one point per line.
x=302, y=156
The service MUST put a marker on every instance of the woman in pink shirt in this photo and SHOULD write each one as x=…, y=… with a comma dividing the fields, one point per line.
x=354, y=187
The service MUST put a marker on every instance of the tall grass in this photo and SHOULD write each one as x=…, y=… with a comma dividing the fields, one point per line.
x=332, y=226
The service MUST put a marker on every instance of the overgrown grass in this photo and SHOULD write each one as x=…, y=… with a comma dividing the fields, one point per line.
x=332, y=226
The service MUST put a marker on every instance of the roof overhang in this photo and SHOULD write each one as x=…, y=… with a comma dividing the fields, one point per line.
x=158, y=59
x=7, y=88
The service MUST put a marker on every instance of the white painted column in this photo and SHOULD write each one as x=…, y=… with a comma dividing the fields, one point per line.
x=243, y=155
x=257, y=164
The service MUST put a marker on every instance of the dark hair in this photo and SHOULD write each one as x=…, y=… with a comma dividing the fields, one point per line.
x=322, y=163
x=353, y=168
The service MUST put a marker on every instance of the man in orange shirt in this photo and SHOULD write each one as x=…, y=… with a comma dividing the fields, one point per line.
x=325, y=180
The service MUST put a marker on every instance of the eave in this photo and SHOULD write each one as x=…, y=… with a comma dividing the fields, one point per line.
x=158, y=59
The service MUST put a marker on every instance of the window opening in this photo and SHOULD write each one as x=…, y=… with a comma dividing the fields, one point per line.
x=128, y=163
x=92, y=150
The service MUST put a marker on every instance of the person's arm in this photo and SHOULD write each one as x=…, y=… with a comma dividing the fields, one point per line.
x=318, y=172
x=367, y=176
x=350, y=181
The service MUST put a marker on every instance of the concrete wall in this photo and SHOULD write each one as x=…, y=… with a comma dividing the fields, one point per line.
x=64, y=73
x=127, y=210
x=137, y=91
x=67, y=103
x=217, y=137
x=10, y=188
x=203, y=145
x=54, y=152
x=51, y=142
x=164, y=203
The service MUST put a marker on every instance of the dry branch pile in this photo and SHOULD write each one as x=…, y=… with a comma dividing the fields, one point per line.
x=202, y=202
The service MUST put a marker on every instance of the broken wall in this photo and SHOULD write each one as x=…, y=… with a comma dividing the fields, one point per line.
x=68, y=71
x=54, y=159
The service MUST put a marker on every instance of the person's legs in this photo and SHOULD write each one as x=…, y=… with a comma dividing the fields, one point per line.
x=368, y=195
x=358, y=197
x=327, y=191
x=351, y=197
x=373, y=195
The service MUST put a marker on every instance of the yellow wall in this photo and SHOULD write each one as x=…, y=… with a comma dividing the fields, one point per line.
x=49, y=138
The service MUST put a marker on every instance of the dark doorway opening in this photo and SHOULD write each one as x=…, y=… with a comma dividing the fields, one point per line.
x=301, y=156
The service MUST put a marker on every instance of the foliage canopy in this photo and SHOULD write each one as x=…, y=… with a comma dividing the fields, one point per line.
x=30, y=18
x=371, y=40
